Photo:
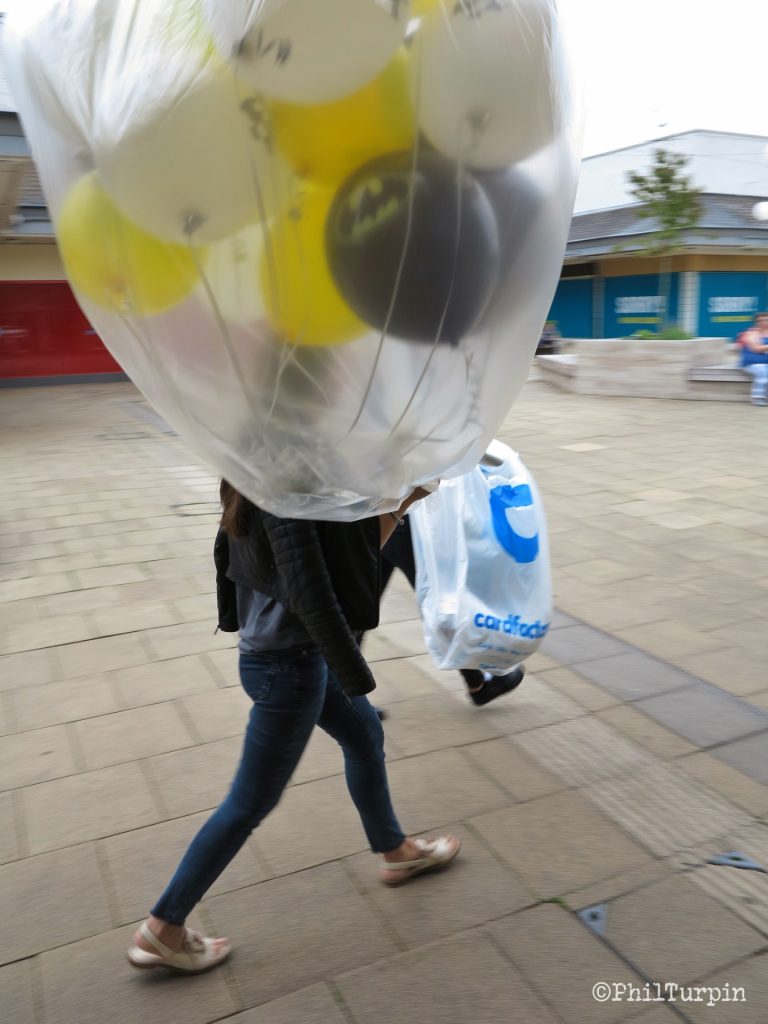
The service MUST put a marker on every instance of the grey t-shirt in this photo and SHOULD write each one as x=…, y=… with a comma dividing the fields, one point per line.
x=267, y=625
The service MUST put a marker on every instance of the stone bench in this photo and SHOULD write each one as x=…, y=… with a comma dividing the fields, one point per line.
x=689, y=369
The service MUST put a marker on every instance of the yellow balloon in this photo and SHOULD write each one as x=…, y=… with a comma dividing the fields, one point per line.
x=421, y=7
x=327, y=141
x=301, y=299
x=115, y=263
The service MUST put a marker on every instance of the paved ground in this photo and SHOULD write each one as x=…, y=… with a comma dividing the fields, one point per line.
x=590, y=803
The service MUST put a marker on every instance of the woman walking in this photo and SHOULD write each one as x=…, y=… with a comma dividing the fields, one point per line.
x=300, y=593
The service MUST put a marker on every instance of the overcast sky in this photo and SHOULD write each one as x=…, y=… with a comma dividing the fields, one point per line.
x=655, y=67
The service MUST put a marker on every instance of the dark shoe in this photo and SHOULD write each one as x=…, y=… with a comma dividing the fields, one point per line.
x=381, y=713
x=497, y=686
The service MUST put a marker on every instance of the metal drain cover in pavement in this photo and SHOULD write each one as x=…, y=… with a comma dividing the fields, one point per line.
x=734, y=859
x=595, y=918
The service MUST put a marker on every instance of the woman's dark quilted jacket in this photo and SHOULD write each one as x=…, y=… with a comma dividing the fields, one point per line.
x=327, y=574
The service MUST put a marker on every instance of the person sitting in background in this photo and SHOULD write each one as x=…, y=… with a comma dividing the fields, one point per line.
x=549, y=342
x=754, y=358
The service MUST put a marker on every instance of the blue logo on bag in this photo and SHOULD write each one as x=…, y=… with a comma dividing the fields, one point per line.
x=522, y=549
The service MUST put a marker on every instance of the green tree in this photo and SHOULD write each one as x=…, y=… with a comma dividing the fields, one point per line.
x=668, y=197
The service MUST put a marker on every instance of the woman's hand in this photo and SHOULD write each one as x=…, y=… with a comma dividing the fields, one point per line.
x=388, y=520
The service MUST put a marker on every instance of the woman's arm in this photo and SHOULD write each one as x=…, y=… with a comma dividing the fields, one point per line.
x=388, y=520
x=754, y=342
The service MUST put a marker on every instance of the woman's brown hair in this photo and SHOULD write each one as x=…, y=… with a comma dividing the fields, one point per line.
x=237, y=511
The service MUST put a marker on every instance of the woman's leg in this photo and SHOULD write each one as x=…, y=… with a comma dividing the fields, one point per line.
x=760, y=387
x=288, y=692
x=354, y=724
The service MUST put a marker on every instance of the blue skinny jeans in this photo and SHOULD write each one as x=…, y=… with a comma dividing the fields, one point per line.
x=292, y=691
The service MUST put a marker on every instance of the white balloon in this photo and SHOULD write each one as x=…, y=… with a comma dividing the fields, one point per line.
x=307, y=51
x=183, y=150
x=488, y=79
x=760, y=211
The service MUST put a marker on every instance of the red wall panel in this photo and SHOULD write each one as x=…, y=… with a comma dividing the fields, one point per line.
x=43, y=333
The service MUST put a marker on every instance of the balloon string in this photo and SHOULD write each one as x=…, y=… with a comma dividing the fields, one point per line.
x=438, y=336
x=266, y=235
x=223, y=329
x=403, y=255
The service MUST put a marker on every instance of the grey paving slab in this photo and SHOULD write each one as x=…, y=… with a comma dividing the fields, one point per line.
x=219, y=713
x=222, y=665
x=748, y=1006
x=402, y=679
x=450, y=724
x=511, y=768
x=730, y=669
x=742, y=892
x=705, y=715
x=665, y=810
x=187, y=638
x=646, y=732
x=16, y=993
x=131, y=735
x=49, y=900
x=313, y=1005
x=732, y=783
x=321, y=759
x=56, y=703
x=291, y=932
x=568, y=749
x=163, y=680
x=619, y=885
x=142, y=862
x=28, y=669
x=90, y=982
x=635, y=675
x=559, y=843
x=661, y=1015
x=562, y=960
x=195, y=779
x=431, y=789
x=574, y=644
x=395, y=640
x=31, y=757
x=93, y=656
x=748, y=755
x=313, y=823
x=475, y=889
x=575, y=687
x=88, y=806
x=674, y=932
x=9, y=840
x=451, y=982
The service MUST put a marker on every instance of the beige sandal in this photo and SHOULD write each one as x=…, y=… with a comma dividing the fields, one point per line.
x=197, y=955
x=436, y=854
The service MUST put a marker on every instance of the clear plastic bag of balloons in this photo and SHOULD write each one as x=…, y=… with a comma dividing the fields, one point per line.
x=321, y=236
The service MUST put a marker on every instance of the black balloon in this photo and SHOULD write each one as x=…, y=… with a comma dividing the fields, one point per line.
x=517, y=204
x=414, y=249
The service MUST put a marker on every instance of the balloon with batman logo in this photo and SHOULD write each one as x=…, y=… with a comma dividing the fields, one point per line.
x=413, y=245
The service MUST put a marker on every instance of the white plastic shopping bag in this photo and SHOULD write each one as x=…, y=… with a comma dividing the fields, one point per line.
x=483, y=571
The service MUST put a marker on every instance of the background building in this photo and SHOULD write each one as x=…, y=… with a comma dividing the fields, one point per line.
x=609, y=290
x=43, y=334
